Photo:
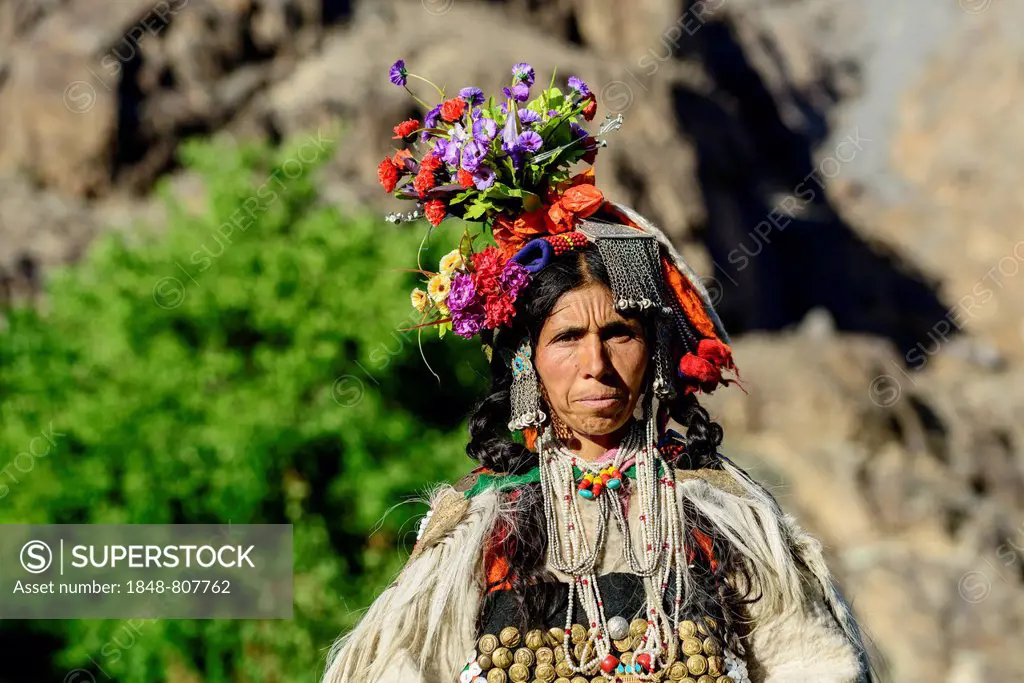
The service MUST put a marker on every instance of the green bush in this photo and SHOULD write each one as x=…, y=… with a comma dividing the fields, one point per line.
x=256, y=375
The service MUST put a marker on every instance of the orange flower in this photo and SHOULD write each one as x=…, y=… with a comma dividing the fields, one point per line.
x=406, y=128
x=451, y=110
x=401, y=159
x=583, y=178
x=576, y=202
x=582, y=200
x=511, y=234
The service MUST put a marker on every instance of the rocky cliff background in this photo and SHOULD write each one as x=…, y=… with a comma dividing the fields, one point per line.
x=844, y=174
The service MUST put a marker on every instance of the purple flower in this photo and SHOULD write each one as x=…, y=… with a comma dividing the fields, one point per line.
x=529, y=141
x=472, y=155
x=462, y=292
x=483, y=177
x=484, y=130
x=430, y=121
x=452, y=154
x=509, y=134
x=476, y=113
x=578, y=130
x=519, y=92
x=516, y=155
x=552, y=113
x=468, y=322
x=472, y=95
x=523, y=73
x=440, y=147
x=528, y=116
x=579, y=86
x=514, y=277
x=398, y=73
x=457, y=133
x=453, y=148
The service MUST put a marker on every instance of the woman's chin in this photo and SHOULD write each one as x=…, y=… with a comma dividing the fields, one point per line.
x=601, y=422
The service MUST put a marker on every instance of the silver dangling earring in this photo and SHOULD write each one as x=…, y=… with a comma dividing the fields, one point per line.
x=525, y=398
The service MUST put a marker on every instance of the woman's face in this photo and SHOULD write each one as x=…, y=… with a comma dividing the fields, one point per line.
x=591, y=361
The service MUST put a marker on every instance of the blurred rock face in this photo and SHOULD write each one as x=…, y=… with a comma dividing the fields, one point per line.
x=845, y=175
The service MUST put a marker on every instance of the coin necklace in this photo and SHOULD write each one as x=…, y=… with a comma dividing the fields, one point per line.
x=570, y=551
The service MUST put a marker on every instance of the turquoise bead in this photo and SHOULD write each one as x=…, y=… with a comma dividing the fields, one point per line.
x=587, y=493
x=614, y=483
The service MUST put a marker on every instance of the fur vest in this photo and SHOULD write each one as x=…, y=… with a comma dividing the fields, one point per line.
x=422, y=627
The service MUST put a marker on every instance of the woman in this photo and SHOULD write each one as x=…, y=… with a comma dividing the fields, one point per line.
x=602, y=537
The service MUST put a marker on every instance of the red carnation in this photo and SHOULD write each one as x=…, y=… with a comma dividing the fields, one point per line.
x=590, y=108
x=387, y=174
x=431, y=162
x=423, y=181
x=435, y=211
x=499, y=310
x=406, y=128
x=487, y=267
x=451, y=110
x=464, y=178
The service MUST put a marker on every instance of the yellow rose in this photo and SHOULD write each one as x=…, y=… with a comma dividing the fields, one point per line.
x=419, y=300
x=439, y=286
x=452, y=261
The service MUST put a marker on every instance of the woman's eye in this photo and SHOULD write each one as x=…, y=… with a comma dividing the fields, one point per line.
x=622, y=334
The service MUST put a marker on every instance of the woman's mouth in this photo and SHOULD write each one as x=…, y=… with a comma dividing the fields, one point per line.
x=600, y=401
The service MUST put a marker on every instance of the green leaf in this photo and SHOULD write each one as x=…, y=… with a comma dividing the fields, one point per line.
x=501, y=190
x=552, y=98
x=478, y=209
x=463, y=196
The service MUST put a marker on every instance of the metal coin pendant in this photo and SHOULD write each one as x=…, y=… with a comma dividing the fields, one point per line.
x=618, y=628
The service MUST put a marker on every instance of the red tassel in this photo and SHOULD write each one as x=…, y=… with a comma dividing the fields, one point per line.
x=702, y=371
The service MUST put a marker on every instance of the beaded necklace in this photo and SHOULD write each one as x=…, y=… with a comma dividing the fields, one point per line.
x=570, y=551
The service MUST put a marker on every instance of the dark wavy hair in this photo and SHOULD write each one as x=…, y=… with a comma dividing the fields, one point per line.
x=491, y=444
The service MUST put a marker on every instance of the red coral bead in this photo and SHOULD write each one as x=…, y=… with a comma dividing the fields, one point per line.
x=644, y=660
x=609, y=663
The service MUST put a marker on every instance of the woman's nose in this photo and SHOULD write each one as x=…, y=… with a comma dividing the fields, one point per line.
x=593, y=358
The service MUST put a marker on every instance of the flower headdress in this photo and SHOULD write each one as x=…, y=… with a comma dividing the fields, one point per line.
x=506, y=164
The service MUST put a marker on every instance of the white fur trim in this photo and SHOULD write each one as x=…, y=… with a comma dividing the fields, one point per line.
x=421, y=627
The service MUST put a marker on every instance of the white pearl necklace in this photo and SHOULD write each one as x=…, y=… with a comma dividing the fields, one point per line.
x=570, y=551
